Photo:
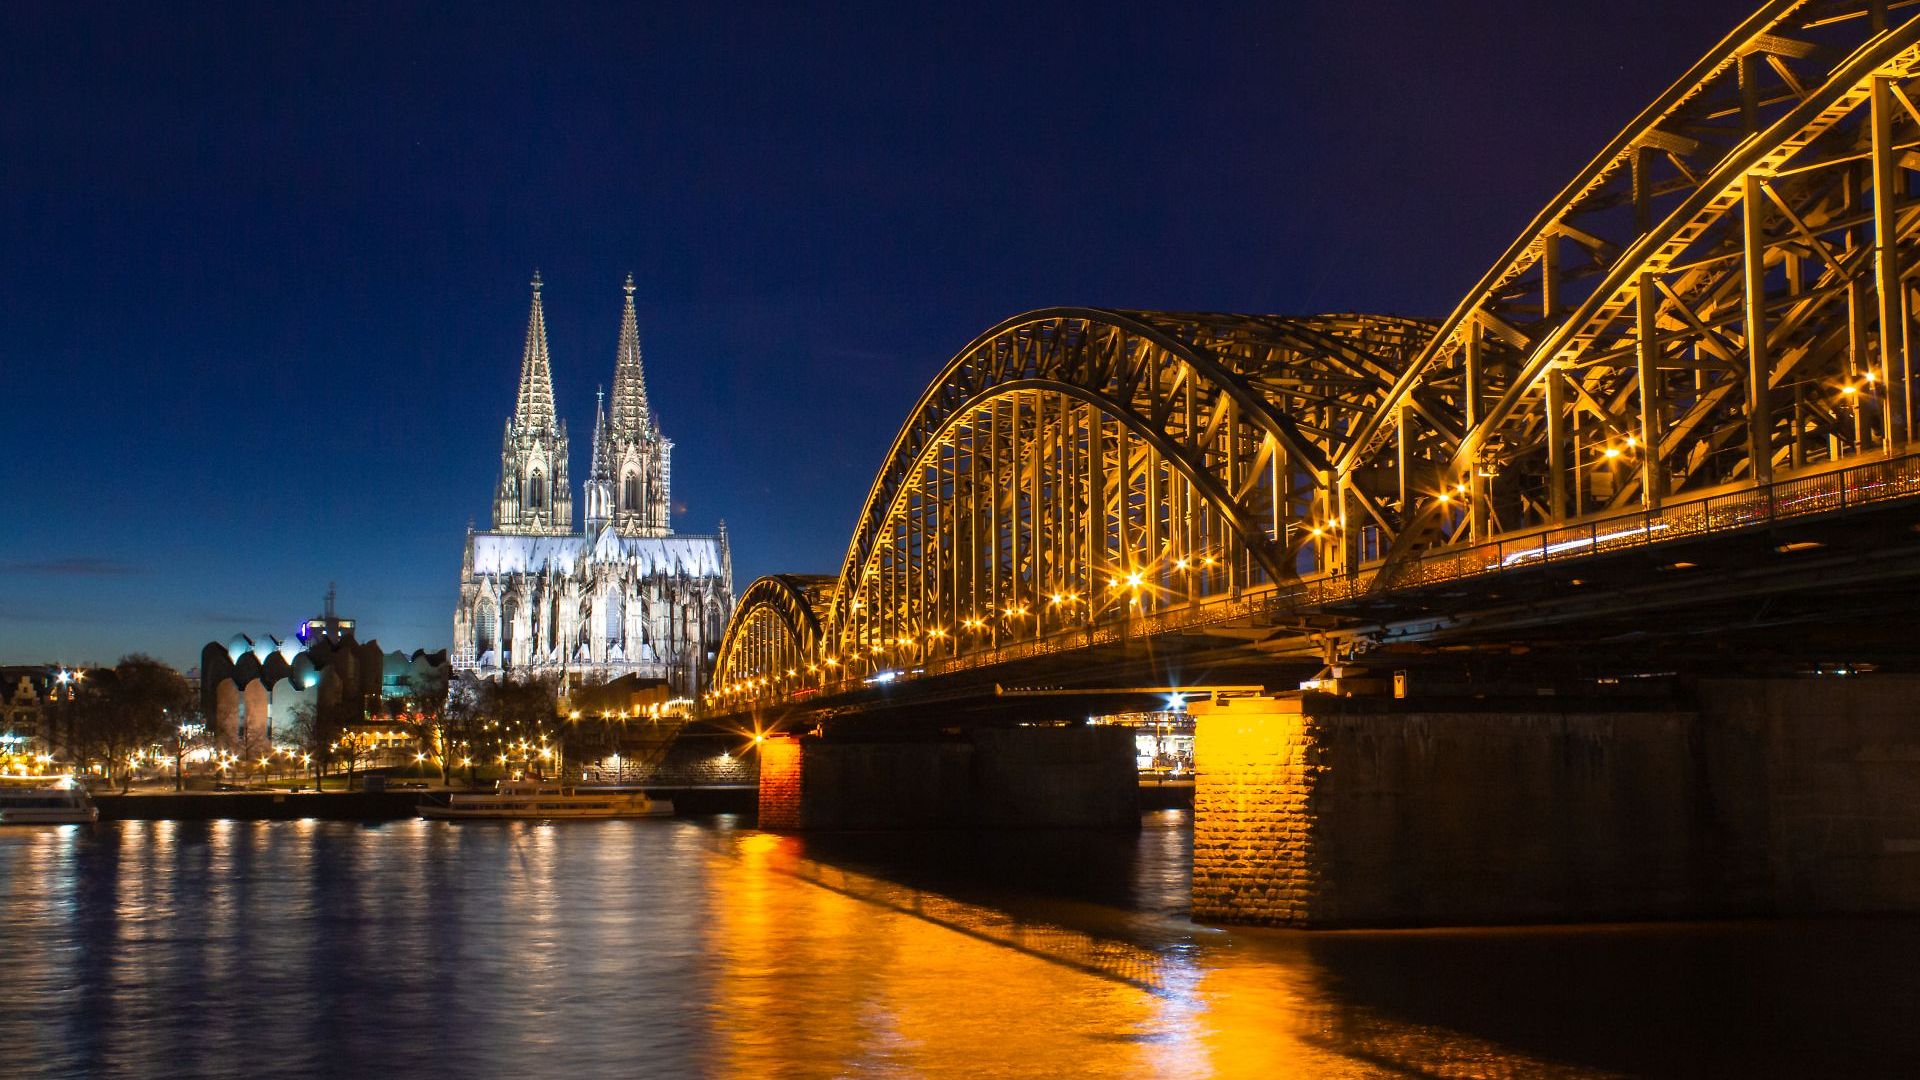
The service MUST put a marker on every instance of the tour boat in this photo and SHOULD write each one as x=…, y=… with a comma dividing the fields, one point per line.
x=546, y=800
x=45, y=800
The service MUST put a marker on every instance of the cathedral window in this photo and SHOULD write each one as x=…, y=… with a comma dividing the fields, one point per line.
x=484, y=627
x=630, y=493
x=536, y=491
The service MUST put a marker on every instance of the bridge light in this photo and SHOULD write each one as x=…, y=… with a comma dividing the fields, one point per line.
x=1446, y=497
x=1849, y=390
x=1208, y=561
x=1611, y=452
x=831, y=662
x=1316, y=531
x=1870, y=378
x=1135, y=580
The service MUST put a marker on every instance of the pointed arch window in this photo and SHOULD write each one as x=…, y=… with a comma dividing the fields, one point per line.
x=536, y=491
x=630, y=492
x=484, y=627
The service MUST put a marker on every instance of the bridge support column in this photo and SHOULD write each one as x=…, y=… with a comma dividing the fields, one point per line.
x=1783, y=796
x=998, y=778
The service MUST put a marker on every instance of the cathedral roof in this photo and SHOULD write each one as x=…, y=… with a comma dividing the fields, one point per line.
x=694, y=556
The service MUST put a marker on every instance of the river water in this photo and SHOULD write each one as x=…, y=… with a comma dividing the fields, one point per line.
x=696, y=948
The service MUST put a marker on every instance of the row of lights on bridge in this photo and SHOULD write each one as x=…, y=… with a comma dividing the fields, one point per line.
x=1133, y=582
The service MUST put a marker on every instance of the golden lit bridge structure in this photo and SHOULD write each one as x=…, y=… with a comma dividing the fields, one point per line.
x=1682, y=397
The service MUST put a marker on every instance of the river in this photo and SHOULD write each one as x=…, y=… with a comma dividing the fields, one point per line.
x=698, y=948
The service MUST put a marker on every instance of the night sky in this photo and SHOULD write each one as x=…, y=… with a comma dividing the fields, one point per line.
x=265, y=268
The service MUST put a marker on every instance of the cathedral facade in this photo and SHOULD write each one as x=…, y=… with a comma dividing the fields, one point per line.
x=619, y=595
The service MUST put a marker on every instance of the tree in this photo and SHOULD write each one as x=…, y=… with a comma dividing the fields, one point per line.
x=318, y=729
x=188, y=734
x=519, y=714
x=304, y=729
x=463, y=722
x=124, y=710
x=427, y=715
x=356, y=749
x=249, y=746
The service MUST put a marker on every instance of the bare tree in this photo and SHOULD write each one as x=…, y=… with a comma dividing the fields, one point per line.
x=124, y=710
x=189, y=734
x=427, y=716
x=356, y=749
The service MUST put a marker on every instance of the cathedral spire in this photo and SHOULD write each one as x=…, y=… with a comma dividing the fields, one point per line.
x=533, y=497
x=631, y=417
x=599, y=487
x=600, y=470
x=533, y=410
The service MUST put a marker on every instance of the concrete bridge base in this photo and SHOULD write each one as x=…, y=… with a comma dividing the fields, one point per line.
x=1028, y=777
x=1759, y=797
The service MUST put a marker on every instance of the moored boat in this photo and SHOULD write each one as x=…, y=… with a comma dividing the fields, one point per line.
x=545, y=801
x=45, y=800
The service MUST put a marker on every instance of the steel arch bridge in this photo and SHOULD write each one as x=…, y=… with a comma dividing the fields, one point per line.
x=1709, y=326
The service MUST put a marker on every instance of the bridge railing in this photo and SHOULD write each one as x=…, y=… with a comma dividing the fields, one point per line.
x=1792, y=498
x=1783, y=500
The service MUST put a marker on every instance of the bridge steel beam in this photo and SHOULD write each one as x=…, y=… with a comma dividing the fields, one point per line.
x=1720, y=296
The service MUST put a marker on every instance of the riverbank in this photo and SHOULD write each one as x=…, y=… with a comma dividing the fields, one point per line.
x=348, y=805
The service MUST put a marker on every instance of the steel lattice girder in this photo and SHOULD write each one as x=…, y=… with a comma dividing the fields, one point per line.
x=1217, y=399
x=1724, y=290
x=1725, y=252
x=789, y=605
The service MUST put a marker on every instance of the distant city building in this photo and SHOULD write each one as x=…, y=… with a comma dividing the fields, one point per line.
x=621, y=596
x=251, y=689
x=28, y=724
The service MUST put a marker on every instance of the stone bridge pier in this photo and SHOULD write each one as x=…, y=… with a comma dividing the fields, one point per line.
x=1018, y=777
x=1779, y=796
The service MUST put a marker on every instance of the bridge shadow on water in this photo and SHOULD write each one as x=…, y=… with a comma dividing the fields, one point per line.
x=1788, y=998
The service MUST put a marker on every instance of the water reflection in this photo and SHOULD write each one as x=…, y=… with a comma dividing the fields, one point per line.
x=676, y=948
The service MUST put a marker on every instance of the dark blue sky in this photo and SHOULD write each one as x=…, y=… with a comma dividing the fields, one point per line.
x=264, y=268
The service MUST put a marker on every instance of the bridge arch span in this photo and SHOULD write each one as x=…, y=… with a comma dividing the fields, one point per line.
x=773, y=634
x=1069, y=449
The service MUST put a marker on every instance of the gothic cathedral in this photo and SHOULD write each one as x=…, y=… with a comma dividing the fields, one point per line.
x=622, y=596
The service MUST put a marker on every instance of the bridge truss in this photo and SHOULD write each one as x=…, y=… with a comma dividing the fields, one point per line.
x=1719, y=302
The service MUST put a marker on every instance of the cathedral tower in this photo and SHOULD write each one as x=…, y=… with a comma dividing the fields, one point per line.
x=638, y=456
x=534, y=497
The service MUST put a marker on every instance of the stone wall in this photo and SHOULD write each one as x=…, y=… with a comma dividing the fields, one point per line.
x=780, y=783
x=1251, y=828
x=1068, y=777
x=690, y=760
x=1775, y=796
x=1827, y=772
